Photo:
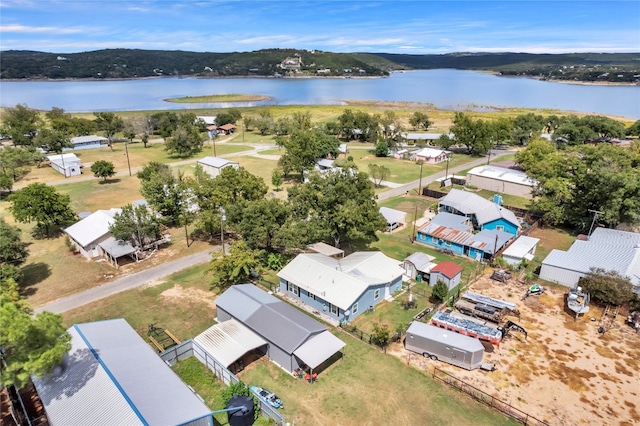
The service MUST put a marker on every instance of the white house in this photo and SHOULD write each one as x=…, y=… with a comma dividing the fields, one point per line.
x=608, y=249
x=66, y=164
x=88, y=233
x=88, y=142
x=214, y=165
x=431, y=155
x=501, y=180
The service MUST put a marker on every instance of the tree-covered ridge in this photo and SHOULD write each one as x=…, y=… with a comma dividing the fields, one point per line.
x=135, y=63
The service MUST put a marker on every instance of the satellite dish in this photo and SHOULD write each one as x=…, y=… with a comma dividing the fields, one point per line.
x=347, y=312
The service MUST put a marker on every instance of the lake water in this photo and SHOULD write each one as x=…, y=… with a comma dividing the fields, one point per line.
x=445, y=89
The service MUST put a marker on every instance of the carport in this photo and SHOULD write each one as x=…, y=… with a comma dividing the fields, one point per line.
x=115, y=249
x=318, y=349
x=228, y=341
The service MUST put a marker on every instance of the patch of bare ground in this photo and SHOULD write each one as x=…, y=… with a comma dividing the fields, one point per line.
x=190, y=294
x=564, y=372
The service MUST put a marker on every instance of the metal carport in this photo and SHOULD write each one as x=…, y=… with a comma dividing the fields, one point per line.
x=318, y=349
x=228, y=341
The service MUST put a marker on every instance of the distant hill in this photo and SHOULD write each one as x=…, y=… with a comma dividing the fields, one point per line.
x=133, y=63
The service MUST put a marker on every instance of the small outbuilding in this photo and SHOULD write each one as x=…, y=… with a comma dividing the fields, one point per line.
x=448, y=272
x=111, y=376
x=418, y=264
x=395, y=218
x=66, y=164
x=214, y=165
x=523, y=248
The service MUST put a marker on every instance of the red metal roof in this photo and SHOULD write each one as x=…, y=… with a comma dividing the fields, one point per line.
x=448, y=269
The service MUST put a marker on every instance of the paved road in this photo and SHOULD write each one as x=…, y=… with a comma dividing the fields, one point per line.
x=426, y=180
x=125, y=283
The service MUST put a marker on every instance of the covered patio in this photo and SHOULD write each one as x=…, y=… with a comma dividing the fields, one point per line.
x=114, y=249
x=315, y=351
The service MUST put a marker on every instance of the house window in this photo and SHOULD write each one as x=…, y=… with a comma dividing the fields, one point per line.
x=312, y=296
x=292, y=288
x=354, y=308
x=376, y=294
x=500, y=228
x=334, y=310
x=434, y=240
x=447, y=243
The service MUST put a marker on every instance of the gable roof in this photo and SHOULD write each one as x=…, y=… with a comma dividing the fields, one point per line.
x=421, y=261
x=67, y=159
x=228, y=341
x=485, y=211
x=111, y=376
x=90, y=138
x=268, y=316
x=502, y=174
x=215, y=162
x=448, y=269
x=609, y=249
x=521, y=246
x=431, y=152
x=227, y=127
x=326, y=249
x=93, y=227
x=341, y=281
x=392, y=215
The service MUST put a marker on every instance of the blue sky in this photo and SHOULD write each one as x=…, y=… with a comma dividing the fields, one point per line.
x=392, y=26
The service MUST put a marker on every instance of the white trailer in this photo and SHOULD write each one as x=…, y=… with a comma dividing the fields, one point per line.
x=439, y=344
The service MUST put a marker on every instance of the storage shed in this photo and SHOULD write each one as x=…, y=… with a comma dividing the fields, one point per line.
x=448, y=272
x=418, y=264
x=66, y=164
x=112, y=377
x=214, y=165
x=523, y=247
x=501, y=180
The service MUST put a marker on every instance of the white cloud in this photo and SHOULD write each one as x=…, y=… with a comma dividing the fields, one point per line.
x=24, y=29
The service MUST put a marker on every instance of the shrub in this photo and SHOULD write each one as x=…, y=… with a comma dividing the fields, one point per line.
x=440, y=291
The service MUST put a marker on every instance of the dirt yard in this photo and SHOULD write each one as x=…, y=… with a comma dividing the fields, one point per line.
x=565, y=372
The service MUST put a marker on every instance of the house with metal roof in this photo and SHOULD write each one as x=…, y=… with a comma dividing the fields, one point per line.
x=431, y=155
x=341, y=288
x=293, y=338
x=87, y=234
x=609, y=249
x=448, y=272
x=501, y=180
x=484, y=214
x=88, y=142
x=418, y=264
x=66, y=164
x=111, y=376
x=448, y=231
x=214, y=165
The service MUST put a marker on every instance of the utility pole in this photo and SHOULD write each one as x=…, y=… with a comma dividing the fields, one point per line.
x=415, y=219
x=420, y=183
x=128, y=162
x=593, y=222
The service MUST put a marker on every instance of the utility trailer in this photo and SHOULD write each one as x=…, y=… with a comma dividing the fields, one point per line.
x=438, y=344
x=480, y=311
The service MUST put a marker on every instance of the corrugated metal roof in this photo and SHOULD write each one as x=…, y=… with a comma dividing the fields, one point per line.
x=319, y=348
x=454, y=339
x=485, y=211
x=228, y=341
x=113, y=377
x=90, y=138
x=447, y=234
x=521, y=246
x=67, y=159
x=502, y=174
x=430, y=153
x=609, y=249
x=487, y=241
x=455, y=221
x=273, y=319
x=421, y=261
x=341, y=281
x=94, y=226
x=326, y=249
x=392, y=215
x=448, y=269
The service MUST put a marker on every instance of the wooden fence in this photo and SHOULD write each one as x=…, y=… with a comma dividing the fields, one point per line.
x=484, y=398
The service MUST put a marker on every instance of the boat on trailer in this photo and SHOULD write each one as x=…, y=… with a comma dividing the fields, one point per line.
x=578, y=300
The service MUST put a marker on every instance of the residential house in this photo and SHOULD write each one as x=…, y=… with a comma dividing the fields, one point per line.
x=609, y=249
x=484, y=214
x=431, y=155
x=293, y=338
x=428, y=138
x=523, y=248
x=87, y=234
x=214, y=165
x=88, y=142
x=501, y=180
x=226, y=129
x=454, y=233
x=111, y=375
x=418, y=265
x=394, y=218
x=66, y=164
x=341, y=288
x=448, y=272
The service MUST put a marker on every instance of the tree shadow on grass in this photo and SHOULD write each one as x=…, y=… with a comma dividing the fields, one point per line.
x=109, y=181
x=33, y=274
